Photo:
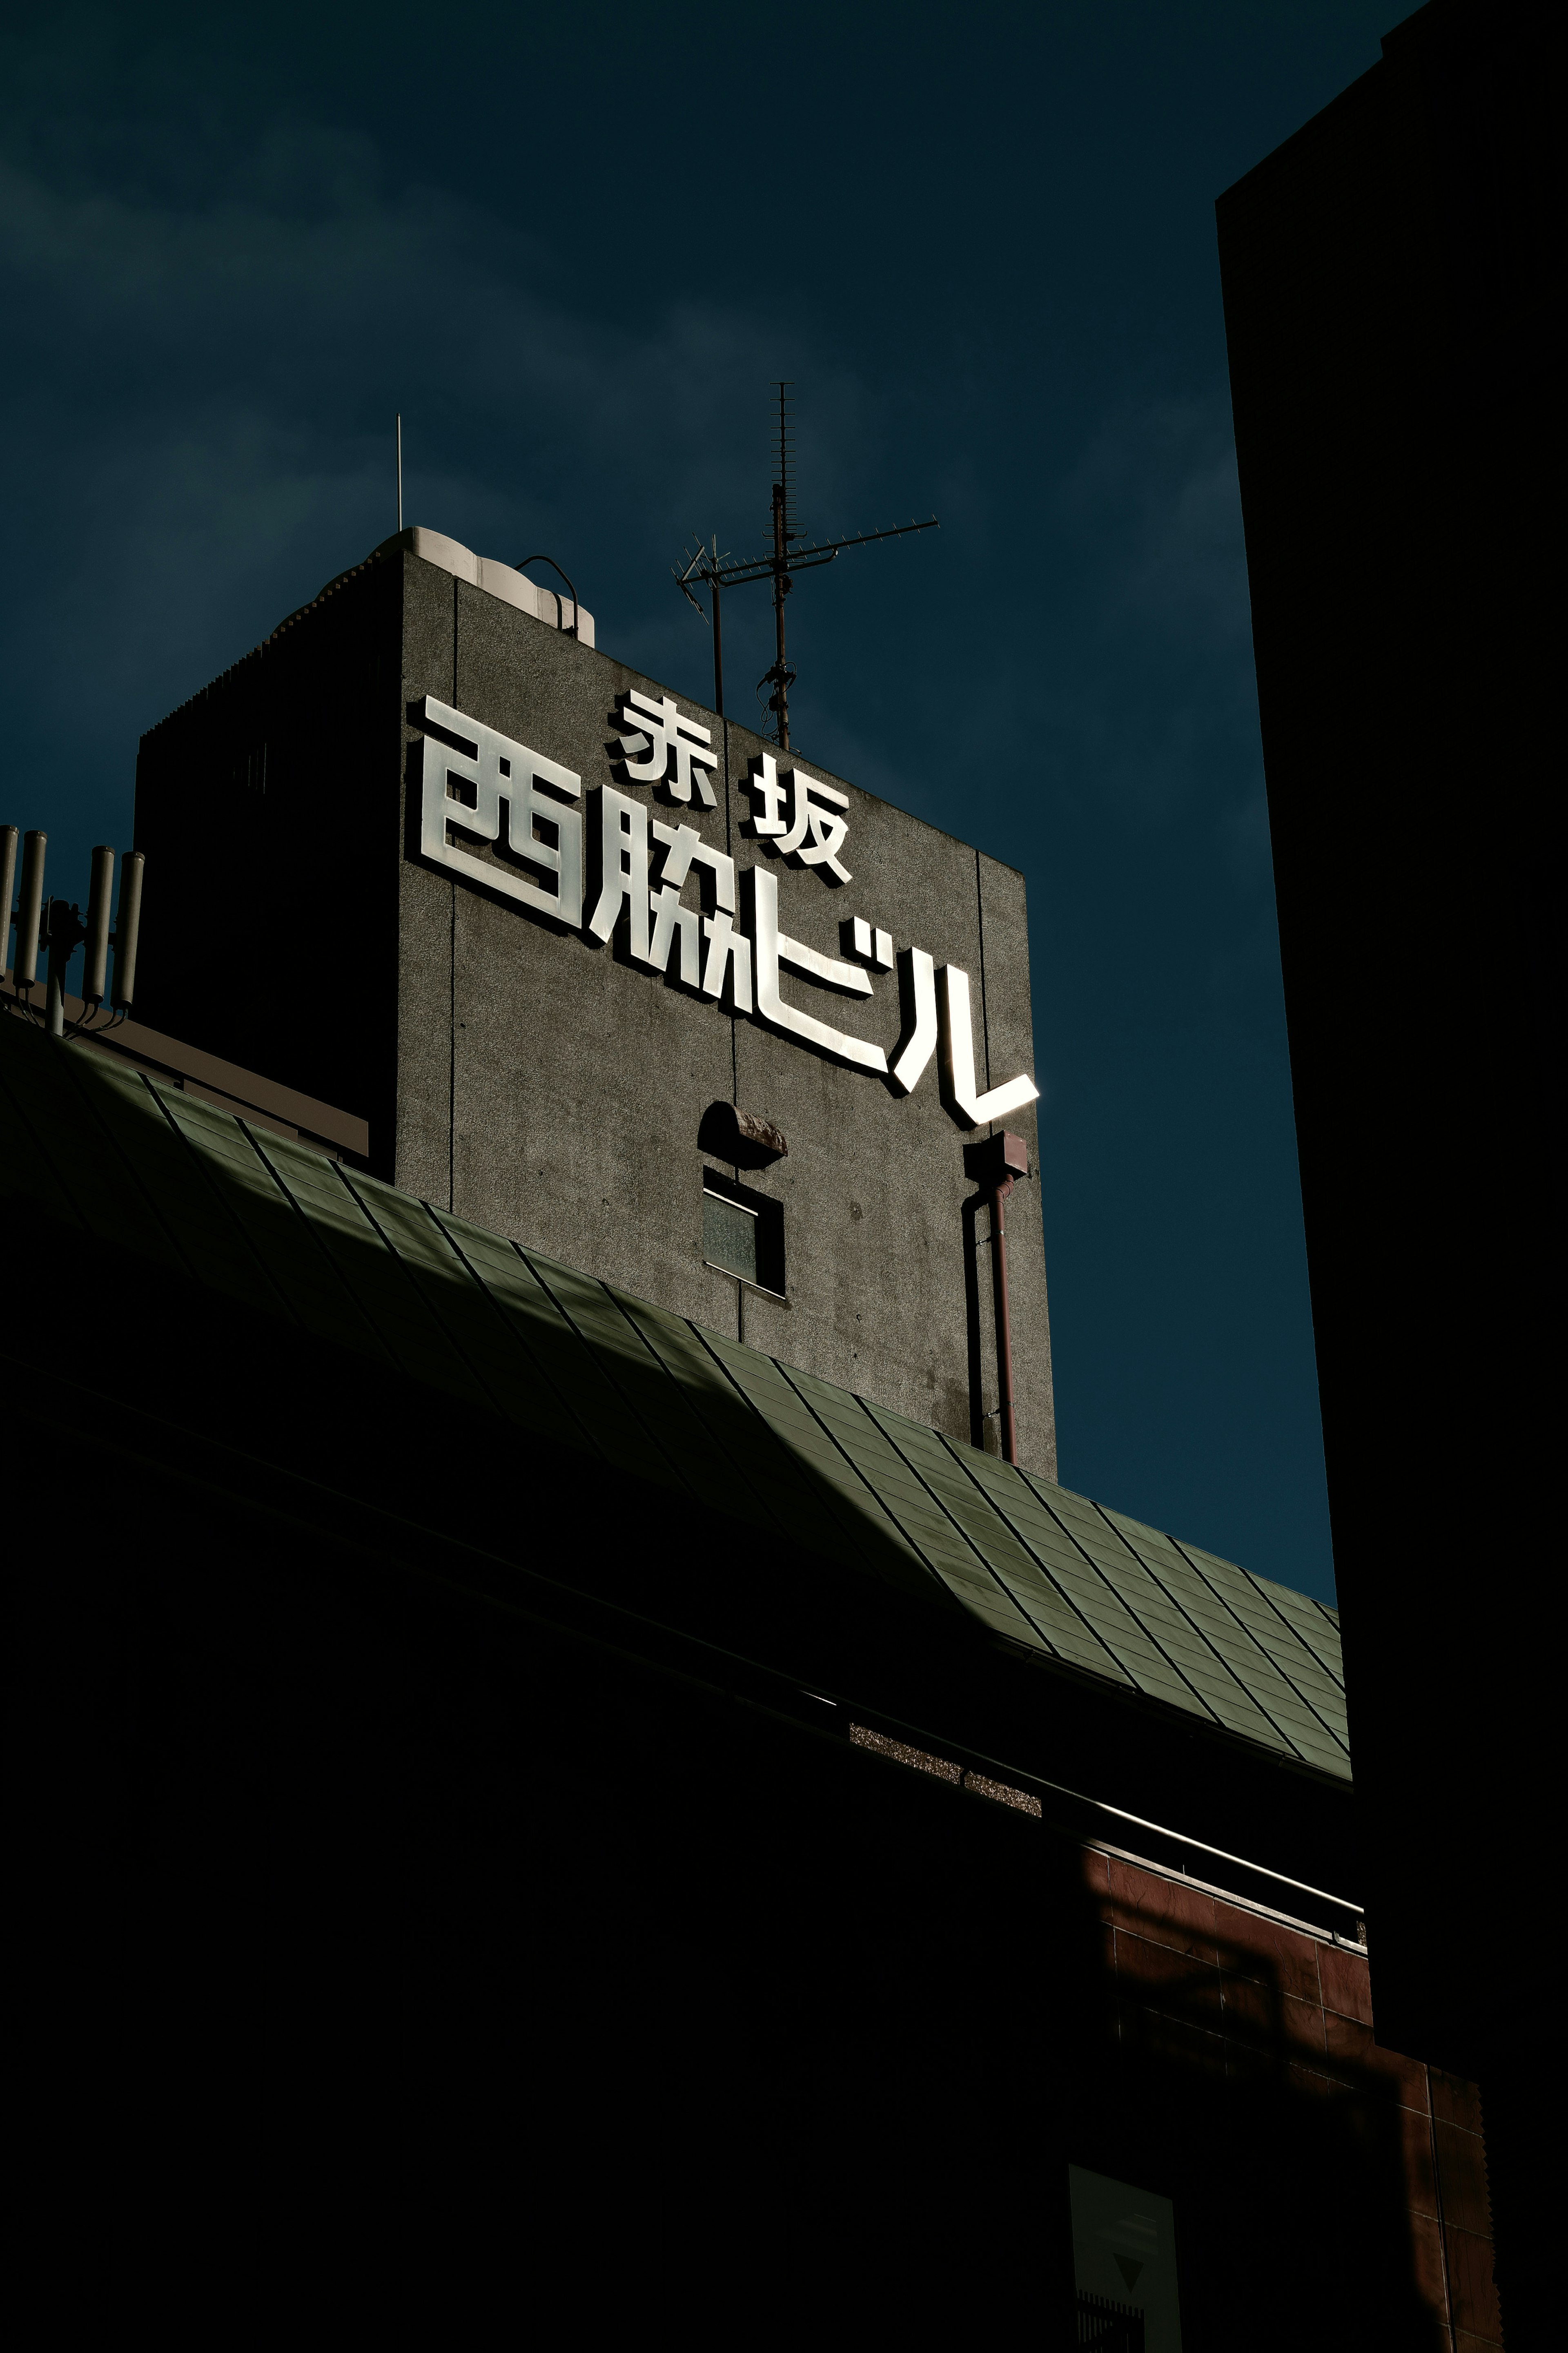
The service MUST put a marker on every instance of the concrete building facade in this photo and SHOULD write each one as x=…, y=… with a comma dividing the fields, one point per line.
x=516, y=1068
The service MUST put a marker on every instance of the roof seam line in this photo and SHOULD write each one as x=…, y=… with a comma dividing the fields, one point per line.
x=1281, y=1668
x=1177, y=1604
x=1147, y=1631
x=1069, y=1604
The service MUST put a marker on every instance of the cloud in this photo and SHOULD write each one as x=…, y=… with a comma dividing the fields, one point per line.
x=1152, y=702
x=204, y=391
x=1159, y=482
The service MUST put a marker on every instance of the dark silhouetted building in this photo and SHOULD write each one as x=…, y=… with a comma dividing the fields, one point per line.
x=1392, y=290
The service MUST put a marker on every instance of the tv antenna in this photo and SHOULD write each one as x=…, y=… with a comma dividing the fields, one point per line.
x=790, y=552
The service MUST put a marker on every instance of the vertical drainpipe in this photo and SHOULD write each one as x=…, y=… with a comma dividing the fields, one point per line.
x=1004, y=1321
x=994, y=1165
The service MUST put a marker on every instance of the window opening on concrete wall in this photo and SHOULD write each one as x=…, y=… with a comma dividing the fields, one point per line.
x=742, y=1233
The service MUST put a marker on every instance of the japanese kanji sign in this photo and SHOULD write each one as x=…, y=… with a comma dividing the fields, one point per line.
x=681, y=906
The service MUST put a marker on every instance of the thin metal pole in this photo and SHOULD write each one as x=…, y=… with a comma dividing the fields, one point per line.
x=29, y=910
x=400, y=469
x=8, y=840
x=717, y=653
x=781, y=590
x=1004, y=1322
x=62, y=931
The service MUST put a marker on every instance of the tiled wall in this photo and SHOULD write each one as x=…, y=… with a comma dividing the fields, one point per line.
x=1198, y=1980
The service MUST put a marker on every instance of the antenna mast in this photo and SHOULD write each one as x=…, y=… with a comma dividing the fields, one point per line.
x=790, y=551
x=781, y=678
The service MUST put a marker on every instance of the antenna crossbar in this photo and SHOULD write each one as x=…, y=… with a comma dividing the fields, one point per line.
x=734, y=572
x=790, y=552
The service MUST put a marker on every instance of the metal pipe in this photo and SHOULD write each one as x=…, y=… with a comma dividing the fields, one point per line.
x=95, y=960
x=8, y=840
x=65, y=930
x=60, y=945
x=29, y=909
x=555, y=567
x=718, y=647
x=781, y=590
x=1004, y=1322
x=400, y=469
x=127, y=929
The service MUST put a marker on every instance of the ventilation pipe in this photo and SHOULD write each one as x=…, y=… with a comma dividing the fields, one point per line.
x=29, y=910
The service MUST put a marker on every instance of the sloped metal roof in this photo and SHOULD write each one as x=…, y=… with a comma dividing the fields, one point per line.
x=577, y=1364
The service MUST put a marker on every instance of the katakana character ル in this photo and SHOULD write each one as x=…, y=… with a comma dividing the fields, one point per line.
x=958, y=1058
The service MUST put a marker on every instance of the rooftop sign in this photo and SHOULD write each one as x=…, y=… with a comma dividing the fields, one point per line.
x=480, y=790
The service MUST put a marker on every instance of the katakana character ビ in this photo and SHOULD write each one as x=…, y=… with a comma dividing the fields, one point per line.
x=773, y=948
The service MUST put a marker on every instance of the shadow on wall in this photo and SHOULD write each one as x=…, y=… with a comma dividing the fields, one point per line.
x=1246, y=2062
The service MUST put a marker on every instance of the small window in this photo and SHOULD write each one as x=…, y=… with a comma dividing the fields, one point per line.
x=742, y=1233
x=730, y=1237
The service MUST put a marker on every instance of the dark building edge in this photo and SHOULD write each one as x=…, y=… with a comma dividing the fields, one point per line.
x=1394, y=305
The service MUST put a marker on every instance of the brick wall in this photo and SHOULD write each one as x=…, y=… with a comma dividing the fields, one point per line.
x=1200, y=1982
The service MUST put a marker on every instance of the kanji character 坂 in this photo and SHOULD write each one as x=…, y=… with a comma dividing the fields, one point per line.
x=814, y=834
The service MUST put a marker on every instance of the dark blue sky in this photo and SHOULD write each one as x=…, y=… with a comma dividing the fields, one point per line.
x=573, y=247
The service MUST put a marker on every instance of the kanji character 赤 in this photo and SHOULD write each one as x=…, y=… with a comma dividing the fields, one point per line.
x=668, y=749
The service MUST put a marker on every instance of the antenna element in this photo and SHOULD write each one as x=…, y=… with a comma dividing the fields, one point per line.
x=790, y=551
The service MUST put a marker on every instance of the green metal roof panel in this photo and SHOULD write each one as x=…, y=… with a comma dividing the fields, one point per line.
x=1307, y=1651
x=501, y=1370
x=780, y=1489
x=288, y=1242
x=638, y=1379
x=1156, y=1669
x=591, y=1411
x=25, y=1165
x=1041, y=1589
x=1181, y=1643
x=577, y=1364
x=176, y=1180
x=86, y=1172
x=716, y=1473
x=1318, y=1692
x=874, y=1537
x=1228, y=1638
x=222, y=1161
x=1311, y=1622
x=372, y=1273
x=929, y=1531
x=990, y=1567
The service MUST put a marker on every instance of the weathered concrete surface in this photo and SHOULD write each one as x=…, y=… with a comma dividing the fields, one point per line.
x=528, y=1077
x=579, y=1081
